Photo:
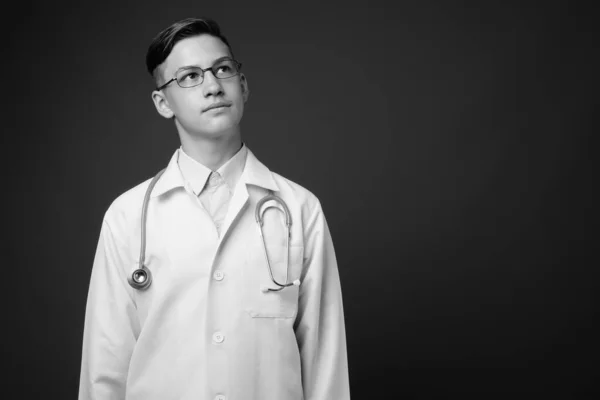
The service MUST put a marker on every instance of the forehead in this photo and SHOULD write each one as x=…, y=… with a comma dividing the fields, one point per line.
x=200, y=50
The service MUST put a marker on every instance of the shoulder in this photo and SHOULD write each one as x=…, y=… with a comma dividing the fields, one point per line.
x=128, y=205
x=126, y=209
x=297, y=194
x=304, y=206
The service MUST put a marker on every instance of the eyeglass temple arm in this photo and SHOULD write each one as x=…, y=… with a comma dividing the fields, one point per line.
x=165, y=84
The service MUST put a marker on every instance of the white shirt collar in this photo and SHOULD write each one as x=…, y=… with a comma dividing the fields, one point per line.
x=254, y=173
x=196, y=174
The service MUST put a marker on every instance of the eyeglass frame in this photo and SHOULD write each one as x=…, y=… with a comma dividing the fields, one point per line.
x=238, y=66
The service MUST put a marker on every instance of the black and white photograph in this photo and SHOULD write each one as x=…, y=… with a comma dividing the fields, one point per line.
x=300, y=200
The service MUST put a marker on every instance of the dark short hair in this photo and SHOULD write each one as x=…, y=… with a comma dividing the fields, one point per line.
x=163, y=43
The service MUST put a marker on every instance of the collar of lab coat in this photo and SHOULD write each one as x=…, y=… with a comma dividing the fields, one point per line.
x=196, y=174
x=255, y=173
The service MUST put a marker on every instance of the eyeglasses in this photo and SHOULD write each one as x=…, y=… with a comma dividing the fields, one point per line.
x=193, y=76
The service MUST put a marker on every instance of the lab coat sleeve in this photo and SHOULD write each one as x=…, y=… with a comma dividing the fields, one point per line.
x=111, y=325
x=320, y=328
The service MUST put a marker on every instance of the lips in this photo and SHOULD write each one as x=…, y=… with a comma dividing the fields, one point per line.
x=217, y=105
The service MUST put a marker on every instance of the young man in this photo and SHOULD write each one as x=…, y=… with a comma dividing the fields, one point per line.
x=217, y=292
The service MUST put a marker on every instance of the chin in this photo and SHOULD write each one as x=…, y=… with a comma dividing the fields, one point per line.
x=222, y=128
x=216, y=130
x=220, y=125
x=213, y=127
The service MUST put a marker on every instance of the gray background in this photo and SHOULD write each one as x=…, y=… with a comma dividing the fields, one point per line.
x=450, y=146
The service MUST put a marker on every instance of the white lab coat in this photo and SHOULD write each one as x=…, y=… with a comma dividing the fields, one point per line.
x=204, y=329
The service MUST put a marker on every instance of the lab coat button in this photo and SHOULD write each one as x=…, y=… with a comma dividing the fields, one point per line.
x=218, y=337
x=219, y=275
x=220, y=397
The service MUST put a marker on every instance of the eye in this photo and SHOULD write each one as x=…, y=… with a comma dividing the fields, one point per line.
x=223, y=69
x=190, y=76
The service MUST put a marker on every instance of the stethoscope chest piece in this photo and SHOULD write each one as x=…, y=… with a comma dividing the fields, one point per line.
x=140, y=279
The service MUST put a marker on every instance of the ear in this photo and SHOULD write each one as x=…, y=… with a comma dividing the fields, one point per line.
x=245, y=89
x=162, y=104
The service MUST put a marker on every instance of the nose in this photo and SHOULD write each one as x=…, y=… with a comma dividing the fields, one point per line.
x=212, y=85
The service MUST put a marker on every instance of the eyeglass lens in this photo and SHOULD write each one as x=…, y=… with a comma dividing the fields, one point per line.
x=195, y=75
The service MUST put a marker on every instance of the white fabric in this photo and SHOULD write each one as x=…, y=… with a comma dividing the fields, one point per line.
x=204, y=328
x=213, y=188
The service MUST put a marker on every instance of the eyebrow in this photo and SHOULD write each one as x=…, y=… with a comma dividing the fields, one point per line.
x=218, y=60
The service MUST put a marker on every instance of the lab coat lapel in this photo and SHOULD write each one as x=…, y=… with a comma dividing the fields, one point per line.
x=238, y=201
x=255, y=173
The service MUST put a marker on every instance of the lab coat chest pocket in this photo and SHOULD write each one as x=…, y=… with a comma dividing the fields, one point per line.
x=269, y=304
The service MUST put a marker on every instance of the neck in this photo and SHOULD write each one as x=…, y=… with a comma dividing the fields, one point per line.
x=211, y=152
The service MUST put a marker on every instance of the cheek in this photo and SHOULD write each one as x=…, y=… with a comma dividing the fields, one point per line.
x=234, y=92
x=239, y=101
x=193, y=103
x=187, y=102
x=240, y=107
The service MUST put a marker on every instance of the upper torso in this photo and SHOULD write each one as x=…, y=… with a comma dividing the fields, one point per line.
x=204, y=325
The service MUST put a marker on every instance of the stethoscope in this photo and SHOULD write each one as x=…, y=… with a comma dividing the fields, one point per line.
x=141, y=277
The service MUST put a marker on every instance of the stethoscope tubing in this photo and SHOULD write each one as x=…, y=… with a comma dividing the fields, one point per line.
x=288, y=224
x=141, y=278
